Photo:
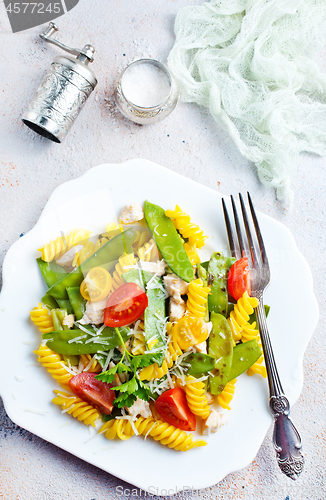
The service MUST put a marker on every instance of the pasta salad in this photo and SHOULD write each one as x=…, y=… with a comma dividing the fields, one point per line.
x=143, y=336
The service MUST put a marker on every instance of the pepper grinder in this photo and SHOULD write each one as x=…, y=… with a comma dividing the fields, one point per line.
x=63, y=92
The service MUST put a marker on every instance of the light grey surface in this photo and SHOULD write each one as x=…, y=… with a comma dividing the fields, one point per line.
x=188, y=142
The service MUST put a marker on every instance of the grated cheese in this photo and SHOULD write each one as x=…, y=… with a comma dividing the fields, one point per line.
x=76, y=339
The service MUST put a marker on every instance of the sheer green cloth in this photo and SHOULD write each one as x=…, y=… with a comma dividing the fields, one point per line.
x=250, y=62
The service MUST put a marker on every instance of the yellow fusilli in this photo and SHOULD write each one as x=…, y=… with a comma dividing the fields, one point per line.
x=126, y=262
x=148, y=252
x=120, y=428
x=95, y=367
x=42, y=319
x=141, y=238
x=197, y=298
x=76, y=407
x=238, y=320
x=53, y=363
x=226, y=395
x=58, y=247
x=196, y=398
x=173, y=352
x=187, y=229
x=166, y=434
x=138, y=339
x=192, y=253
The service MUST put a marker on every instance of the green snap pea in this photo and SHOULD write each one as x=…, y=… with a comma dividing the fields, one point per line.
x=71, y=360
x=57, y=317
x=62, y=341
x=77, y=301
x=220, y=345
x=65, y=304
x=50, y=302
x=51, y=271
x=154, y=315
x=218, y=269
x=199, y=363
x=168, y=241
x=105, y=256
x=244, y=356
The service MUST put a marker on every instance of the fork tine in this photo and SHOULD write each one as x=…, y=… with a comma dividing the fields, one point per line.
x=249, y=236
x=232, y=244
x=259, y=236
x=238, y=228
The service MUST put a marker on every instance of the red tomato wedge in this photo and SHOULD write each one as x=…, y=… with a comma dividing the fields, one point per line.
x=93, y=391
x=172, y=406
x=239, y=279
x=125, y=305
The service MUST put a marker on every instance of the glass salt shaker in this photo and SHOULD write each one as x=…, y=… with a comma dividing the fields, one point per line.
x=146, y=92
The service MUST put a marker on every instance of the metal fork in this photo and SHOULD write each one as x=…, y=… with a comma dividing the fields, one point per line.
x=286, y=439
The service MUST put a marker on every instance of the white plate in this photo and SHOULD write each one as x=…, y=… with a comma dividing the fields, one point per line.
x=24, y=386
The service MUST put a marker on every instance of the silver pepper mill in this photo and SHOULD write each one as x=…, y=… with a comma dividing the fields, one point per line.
x=63, y=92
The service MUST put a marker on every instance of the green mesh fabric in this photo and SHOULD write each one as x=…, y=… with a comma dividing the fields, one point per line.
x=250, y=62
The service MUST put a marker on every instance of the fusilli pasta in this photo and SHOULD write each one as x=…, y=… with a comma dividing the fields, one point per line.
x=42, y=319
x=196, y=398
x=76, y=407
x=53, y=363
x=226, y=395
x=187, y=229
x=58, y=247
x=238, y=320
x=126, y=262
x=148, y=252
x=197, y=298
x=120, y=428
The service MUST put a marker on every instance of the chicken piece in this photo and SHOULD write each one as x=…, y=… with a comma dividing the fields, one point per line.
x=213, y=422
x=209, y=397
x=202, y=347
x=94, y=313
x=141, y=408
x=177, y=309
x=157, y=268
x=131, y=213
x=175, y=286
x=68, y=320
x=68, y=257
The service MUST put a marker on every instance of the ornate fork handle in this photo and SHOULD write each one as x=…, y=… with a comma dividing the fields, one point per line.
x=286, y=439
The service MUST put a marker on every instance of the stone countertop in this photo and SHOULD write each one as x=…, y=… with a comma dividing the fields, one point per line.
x=188, y=142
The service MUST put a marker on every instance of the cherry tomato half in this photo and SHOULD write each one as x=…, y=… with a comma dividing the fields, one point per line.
x=97, y=284
x=172, y=406
x=125, y=305
x=239, y=279
x=93, y=391
x=190, y=331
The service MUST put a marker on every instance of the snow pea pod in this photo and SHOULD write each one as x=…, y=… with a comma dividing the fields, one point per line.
x=244, y=356
x=104, y=256
x=77, y=301
x=199, y=363
x=65, y=304
x=154, y=315
x=50, y=302
x=57, y=317
x=51, y=271
x=220, y=345
x=62, y=341
x=168, y=241
x=218, y=269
